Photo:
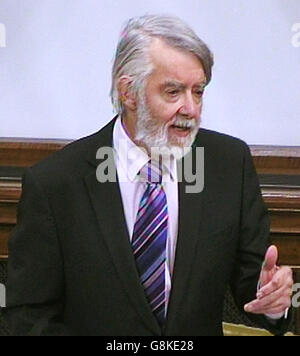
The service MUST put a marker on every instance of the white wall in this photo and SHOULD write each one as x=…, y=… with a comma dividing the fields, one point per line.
x=55, y=65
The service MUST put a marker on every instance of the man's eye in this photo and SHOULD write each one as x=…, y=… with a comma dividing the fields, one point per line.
x=199, y=93
x=173, y=92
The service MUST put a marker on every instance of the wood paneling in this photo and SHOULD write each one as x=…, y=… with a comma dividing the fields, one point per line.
x=5, y=231
x=289, y=249
x=277, y=159
x=26, y=152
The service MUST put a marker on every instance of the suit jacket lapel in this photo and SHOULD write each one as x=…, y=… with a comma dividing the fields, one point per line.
x=190, y=206
x=107, y=203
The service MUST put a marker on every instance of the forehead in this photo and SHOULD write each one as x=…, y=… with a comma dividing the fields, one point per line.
x=172, y=64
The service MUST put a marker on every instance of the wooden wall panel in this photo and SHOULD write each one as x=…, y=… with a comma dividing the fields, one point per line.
x=5, y=231
x=26, y=152
x=277, y=159
x=289, y=249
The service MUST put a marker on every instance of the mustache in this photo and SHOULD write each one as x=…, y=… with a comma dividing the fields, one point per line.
x=190, y=123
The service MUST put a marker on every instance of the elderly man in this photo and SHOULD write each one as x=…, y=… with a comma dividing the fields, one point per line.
x=143, y=255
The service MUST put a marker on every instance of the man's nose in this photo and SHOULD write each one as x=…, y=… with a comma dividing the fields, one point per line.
x=189, y=107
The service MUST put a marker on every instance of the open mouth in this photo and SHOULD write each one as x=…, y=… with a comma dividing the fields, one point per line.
x=183, y=128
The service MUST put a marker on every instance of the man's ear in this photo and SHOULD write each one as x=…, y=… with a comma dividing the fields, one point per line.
x=126, y=96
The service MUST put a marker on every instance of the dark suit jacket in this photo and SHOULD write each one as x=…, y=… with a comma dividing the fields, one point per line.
x=71, y=268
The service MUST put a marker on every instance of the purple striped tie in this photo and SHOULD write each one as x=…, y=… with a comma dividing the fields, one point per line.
x=150, y=237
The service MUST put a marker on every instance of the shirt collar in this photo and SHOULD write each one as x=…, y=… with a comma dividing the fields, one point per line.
x=132, y=158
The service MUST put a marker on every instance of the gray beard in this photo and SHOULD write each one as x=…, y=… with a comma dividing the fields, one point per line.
x=154, y=136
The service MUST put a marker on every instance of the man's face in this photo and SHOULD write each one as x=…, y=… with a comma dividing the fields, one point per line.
x=168, y=114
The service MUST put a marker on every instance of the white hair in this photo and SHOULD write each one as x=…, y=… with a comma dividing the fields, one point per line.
x=132, y=55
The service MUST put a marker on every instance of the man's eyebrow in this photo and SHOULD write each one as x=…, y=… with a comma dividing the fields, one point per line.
x=175, y=84
x=201, y=84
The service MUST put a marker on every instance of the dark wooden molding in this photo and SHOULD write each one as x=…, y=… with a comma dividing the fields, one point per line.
x=23, y=152
x=20, y=152
x=10, y=192
x=276, y=159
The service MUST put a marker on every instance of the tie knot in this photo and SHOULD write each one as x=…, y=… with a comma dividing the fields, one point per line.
x=151, y=172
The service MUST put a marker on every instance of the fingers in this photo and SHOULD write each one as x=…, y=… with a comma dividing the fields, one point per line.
x=274, y=303
x=268, y=307
x=274, y=297
x=283, y=277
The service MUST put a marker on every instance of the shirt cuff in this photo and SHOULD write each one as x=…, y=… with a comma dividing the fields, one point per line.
x=274, y=317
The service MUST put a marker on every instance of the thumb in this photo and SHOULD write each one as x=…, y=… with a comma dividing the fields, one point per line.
x=271, y=258
x=269, y=264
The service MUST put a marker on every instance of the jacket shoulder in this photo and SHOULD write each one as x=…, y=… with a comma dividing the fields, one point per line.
x=222, y=148
x=208, y=137
x=73, y=158
x=68, y=156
